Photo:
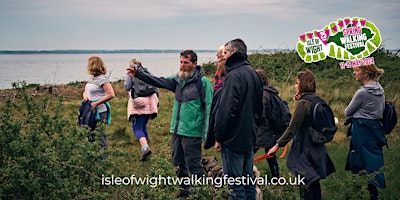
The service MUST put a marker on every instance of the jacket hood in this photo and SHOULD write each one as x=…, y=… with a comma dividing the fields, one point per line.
x=235, y=60
x=373, y=88
x=198, y=72
x=270, y=89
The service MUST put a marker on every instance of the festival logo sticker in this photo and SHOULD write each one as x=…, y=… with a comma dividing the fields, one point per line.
x=351, y=40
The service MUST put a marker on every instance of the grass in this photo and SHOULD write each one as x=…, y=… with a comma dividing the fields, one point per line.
x=340, y=185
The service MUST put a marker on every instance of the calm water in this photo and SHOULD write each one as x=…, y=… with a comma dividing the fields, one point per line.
x=65, y=68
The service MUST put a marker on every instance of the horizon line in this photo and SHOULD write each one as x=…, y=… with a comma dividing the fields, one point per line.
x=125, y=51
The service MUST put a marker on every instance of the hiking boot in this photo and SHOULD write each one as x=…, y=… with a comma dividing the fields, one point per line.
x=145, y=153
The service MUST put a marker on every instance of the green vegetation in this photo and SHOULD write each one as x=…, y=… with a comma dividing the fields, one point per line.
x=44, y=155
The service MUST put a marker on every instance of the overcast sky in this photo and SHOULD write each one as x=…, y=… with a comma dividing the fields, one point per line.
x=180, y=24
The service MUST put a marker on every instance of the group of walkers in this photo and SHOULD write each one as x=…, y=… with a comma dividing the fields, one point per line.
x=228, y=117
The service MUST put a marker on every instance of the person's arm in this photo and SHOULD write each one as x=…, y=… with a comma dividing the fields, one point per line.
x=208, y=98
x=85, y=97
x=160, y=82
x=228, y=108
x=128, y=83
x=109, y=95
x=355, y=104
x=295, y=124
x=218, y=146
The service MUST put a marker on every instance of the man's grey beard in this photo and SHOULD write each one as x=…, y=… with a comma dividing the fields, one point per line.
x=185, y=75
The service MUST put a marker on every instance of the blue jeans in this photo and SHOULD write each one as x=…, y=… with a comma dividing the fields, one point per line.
x=238, y=164
x=139, y=126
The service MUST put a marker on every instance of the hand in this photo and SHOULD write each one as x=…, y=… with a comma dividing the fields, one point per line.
x=131, y=71
x=217, y=146
x=272, y=151
x=348, y=121
x=93, y=105
x=296, y=97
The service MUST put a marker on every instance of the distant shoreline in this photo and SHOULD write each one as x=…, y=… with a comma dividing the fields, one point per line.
x=76, y=51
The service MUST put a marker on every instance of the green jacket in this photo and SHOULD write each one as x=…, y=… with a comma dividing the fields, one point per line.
x=189, y=118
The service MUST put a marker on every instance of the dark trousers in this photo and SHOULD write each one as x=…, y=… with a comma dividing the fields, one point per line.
x=186, y=155
x=272, y=162
x=103, y=146
x=313, y=192
x=373, y=192
x=139, y=126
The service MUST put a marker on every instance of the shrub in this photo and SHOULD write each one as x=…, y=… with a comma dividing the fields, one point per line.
x=44, y=157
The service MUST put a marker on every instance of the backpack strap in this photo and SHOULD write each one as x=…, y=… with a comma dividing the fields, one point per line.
x=202, y=94
x=309, y=98
x=268, y=101
x=314, y=101
x=200, y=89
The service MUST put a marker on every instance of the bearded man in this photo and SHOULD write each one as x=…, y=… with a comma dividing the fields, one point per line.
x=190, y=113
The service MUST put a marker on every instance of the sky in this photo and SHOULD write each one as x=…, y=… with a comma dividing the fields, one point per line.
x=181, y=24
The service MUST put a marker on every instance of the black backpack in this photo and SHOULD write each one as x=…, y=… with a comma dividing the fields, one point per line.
x=141, y=88
x=278, y=113
x=323, y=127
x=389, y=119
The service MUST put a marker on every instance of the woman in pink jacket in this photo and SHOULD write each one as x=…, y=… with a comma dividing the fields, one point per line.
x=140, y=111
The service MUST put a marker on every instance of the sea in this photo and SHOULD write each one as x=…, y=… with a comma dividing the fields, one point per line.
x=58, y=69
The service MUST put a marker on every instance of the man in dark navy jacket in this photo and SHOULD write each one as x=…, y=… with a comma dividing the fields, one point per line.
x=237, y=117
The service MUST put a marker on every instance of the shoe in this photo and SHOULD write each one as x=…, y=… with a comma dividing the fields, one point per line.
x=145, y=153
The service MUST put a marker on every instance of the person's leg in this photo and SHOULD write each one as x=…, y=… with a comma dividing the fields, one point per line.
x=313, y=192
x=273, y=165
x=232, y=163
x=373, y=192
x=180, y=167
x=137, y=127
x=192, y=152
x=250, y=190
x=146, y=120
x=103, y=146
x=139, y=123
x=144, y=139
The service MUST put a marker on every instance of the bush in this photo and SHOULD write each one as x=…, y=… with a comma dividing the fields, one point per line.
x=44, y=157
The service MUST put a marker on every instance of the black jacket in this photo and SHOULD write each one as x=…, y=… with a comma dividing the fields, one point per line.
x=210, y=139
x=240, y=106
x=266, y=137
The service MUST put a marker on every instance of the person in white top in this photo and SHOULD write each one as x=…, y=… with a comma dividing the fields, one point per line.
x=99, y=91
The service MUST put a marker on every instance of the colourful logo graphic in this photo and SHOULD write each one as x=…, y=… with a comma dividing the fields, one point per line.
x=350, y=39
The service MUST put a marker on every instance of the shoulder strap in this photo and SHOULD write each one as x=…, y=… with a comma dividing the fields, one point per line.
x=309, y=98
x=314, y=100
x=202, y=94
x=268, y=100
x=200, y=89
